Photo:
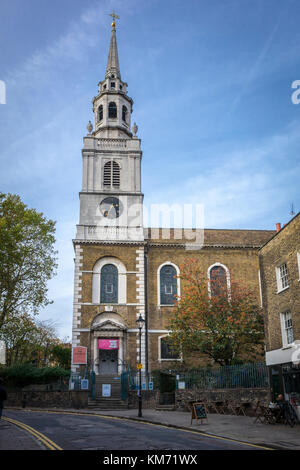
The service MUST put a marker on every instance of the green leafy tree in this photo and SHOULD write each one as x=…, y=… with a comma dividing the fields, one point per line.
x=27, y=257
x=61, y=356
x=224, y=324
x=28, y=340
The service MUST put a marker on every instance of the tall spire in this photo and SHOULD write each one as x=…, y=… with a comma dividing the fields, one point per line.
x=113, y=59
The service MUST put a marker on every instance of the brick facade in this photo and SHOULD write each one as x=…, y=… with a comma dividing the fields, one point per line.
x=284, y=247
x=279, y=299
x=237, y=250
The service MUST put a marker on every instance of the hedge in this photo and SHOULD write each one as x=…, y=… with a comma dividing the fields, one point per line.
x=27, y=374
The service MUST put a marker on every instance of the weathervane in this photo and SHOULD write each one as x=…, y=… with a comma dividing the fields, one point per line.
x=114, y=16
x=292, y=210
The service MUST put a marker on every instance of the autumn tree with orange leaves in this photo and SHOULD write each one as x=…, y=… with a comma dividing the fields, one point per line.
x=216, y=319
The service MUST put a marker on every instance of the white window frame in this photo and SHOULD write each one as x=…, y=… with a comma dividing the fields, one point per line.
x=160, y=359
x=298, y=259
x=227, y=272
x=285, y=328
x=111, y=161
x=279, y=278
x=167, y=263
x=122, y=281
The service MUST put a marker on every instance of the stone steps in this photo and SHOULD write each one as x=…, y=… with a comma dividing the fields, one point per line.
x=165, y=407
x=107, y=404
x=114, y=381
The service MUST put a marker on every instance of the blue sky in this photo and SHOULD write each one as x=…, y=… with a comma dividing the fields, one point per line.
x=211, y=82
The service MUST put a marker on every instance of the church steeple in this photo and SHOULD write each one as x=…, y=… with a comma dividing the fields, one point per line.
x=111, y=201
x=112, y=106
x=113, y=66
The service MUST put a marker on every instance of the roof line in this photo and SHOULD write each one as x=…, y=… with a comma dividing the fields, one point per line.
x=277, y=233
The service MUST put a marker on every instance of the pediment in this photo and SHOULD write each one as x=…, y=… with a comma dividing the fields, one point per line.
x=108, y=325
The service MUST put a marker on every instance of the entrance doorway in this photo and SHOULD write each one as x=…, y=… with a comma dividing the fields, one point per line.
x=108, y=361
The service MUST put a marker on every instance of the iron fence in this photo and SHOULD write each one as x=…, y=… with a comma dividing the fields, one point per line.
x=237, y=376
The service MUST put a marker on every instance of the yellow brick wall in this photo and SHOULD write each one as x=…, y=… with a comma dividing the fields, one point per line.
x=280, y=249
x=243, y=266
x=242, y=263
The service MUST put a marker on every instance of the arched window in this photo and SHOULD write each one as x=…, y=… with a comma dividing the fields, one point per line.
x=166, y=351
x=109, y=284
x=98, y=287
x=100, y=113
x=218, y=280
x=168, y=285
x=111, y=175
x=112, y=110
x=124, y=113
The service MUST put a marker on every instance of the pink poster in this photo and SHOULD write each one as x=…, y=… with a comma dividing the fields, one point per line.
x=108, y=344
x=80, y=355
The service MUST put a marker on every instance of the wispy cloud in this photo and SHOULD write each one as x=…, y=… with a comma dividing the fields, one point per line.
x=247, y=187
x=256, y=68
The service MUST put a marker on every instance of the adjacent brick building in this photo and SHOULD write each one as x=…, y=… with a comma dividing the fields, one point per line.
x=280, y=285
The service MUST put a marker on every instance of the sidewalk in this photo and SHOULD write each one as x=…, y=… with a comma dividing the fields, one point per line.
x=14, y=438
x=241, y=428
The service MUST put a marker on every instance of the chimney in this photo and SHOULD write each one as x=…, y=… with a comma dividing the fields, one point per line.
x=278, y=227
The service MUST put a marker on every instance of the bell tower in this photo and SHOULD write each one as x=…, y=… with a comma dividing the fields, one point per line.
x=111, y=201
x=112, y=106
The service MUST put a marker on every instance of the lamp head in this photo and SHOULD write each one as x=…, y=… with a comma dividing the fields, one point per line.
x=140, y=322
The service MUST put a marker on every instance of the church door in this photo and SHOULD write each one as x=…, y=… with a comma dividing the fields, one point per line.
x=108, y=361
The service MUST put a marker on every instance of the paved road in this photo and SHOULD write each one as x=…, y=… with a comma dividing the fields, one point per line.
x=86, y=432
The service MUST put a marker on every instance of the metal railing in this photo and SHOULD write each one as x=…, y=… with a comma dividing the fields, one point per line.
x=237, y=376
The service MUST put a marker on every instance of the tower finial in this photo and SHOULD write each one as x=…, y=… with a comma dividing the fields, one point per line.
x=113, y=60
x=114, y=16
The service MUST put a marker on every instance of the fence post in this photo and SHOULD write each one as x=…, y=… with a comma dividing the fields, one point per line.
x=93, y=381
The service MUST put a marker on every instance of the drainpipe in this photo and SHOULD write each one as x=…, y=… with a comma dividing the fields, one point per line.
x=146, y=310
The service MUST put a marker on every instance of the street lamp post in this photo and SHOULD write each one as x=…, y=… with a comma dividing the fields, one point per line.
x=140, y=322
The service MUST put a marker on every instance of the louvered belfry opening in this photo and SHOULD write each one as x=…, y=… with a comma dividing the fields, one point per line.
x=112, y=110
x=111, y=175
x=100, y=113
x=116, y=175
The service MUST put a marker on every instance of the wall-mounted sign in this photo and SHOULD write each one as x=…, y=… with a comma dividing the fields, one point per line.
x=84, y=385
x=108, y=344
x=79, y=355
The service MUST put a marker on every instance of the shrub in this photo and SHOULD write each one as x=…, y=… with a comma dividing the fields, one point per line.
x=27, y=374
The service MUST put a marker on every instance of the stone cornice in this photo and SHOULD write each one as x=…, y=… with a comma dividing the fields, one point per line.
x=115, y=152
x=161, y=245
x=113, y=93
x=113, y=128
x=110, y=242
x=113, y=192
x=183, y=245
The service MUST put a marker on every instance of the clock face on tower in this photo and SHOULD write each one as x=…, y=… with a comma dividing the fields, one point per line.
x=111, y=207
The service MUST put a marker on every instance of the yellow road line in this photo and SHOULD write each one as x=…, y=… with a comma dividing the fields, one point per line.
x=156, y=424
x=44, y=439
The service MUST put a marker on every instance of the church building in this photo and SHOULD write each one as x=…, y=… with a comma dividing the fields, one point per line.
x=123, y=270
